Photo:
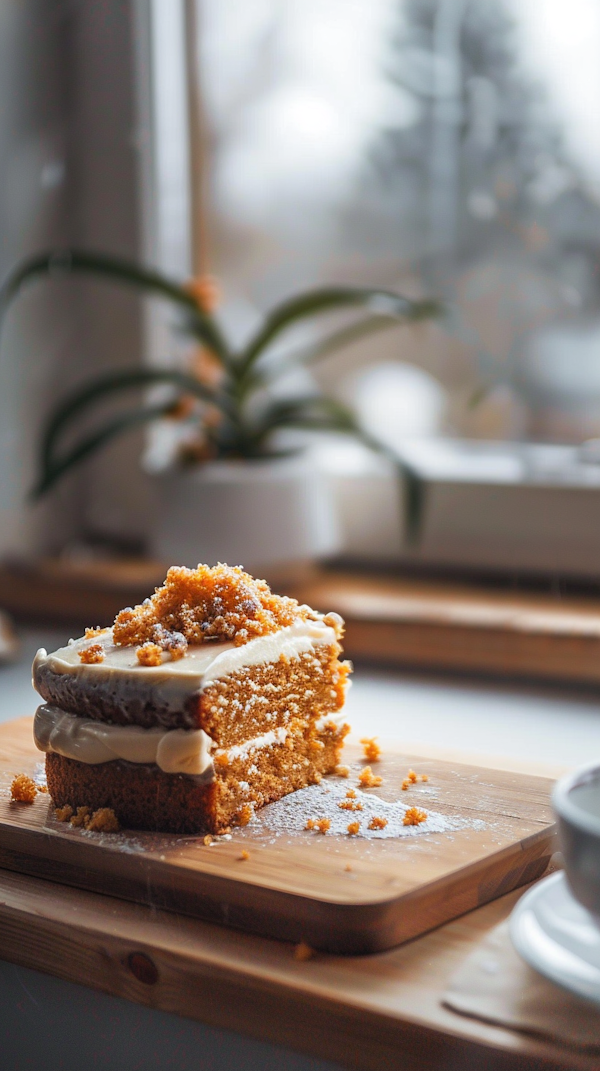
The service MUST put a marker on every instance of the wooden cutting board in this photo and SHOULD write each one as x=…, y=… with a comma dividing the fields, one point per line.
x=488, y=831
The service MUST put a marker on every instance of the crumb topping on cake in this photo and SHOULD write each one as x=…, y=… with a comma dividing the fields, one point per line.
x=91, y=655
x=207, y=603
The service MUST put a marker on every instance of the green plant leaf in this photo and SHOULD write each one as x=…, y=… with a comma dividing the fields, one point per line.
x=328, y=299
x=51, y=473
x=316, y=351
x=103, y=386
x=55, y=263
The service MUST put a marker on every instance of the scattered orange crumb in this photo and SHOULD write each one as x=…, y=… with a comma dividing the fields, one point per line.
x=207, y=840
x=149, y=654
x=424, y=777
x=222, y=758
x=42, y=788
x=342, y=771
x=244, y=854
x=323, y=824
x=347, y=867
x=104, y=820
x=405, y=784
x=304, y=952
x=353, y=828
x=79, y=818
x=413, y=817
x=371, y=749
x=90, y=633
x=350, y=805
x=23, y=789
x=245, y=814
x=351, y=794
x=91, y=655
x=310, y=823
x=377, y=823
x=411, y=776
x=368, y=779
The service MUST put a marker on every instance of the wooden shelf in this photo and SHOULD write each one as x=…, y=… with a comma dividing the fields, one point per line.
x=390, y=620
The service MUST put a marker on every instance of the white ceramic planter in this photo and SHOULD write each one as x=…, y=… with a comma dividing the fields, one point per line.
x=257, y=514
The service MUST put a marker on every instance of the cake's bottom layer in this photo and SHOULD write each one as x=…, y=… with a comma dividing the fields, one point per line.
x=144, y=797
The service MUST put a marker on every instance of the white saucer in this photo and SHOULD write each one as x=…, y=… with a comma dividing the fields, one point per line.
x=558, y=937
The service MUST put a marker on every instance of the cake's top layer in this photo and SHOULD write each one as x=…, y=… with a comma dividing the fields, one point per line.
x=117, y=687
x=196, y=605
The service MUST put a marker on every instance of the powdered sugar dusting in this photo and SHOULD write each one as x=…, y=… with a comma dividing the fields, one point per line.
x=290, y=814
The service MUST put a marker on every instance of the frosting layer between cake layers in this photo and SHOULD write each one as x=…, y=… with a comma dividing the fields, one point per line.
x=174, y=751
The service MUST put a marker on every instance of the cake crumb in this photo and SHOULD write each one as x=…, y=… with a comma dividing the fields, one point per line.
x=23, y=789
x=220, y=602
x=245, y=814
x=90, y=656
x=350, y=805
x=351, y=794
x=372, y=750
x=342, y=771
x=104, y=820
x=411, y=776
x=62, y=814
x=244, y=855
x=414, y=817
x=207, y=840
x=353, y=828
x=368, y=779
x=377, y=823
x=405, y=784
x=149, y=654
x=42, y=788
x=221, y=758
x=91, y=633
x=304, y=952
x=310, y=823
x=347, y=867
x=323, y=824
x=424, y=777
x=78, y=819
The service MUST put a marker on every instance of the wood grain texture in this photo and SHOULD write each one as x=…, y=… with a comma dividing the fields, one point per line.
x=390, y=619
x=367, y=1012
x=341, y=893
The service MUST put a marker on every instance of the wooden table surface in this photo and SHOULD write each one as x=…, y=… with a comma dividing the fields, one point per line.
x=368, y=1012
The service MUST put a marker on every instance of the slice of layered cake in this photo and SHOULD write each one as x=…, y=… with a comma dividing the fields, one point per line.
x=210, y=699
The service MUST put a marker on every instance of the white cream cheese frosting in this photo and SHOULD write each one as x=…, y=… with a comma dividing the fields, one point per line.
x=200, y=666
x=186, y=751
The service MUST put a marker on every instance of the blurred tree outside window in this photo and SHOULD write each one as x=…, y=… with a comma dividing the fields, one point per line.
x=434, y=146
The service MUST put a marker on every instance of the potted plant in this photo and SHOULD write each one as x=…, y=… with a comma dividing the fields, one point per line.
x=233, y=494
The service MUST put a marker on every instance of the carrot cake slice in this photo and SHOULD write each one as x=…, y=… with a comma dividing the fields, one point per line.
x=210, y=699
